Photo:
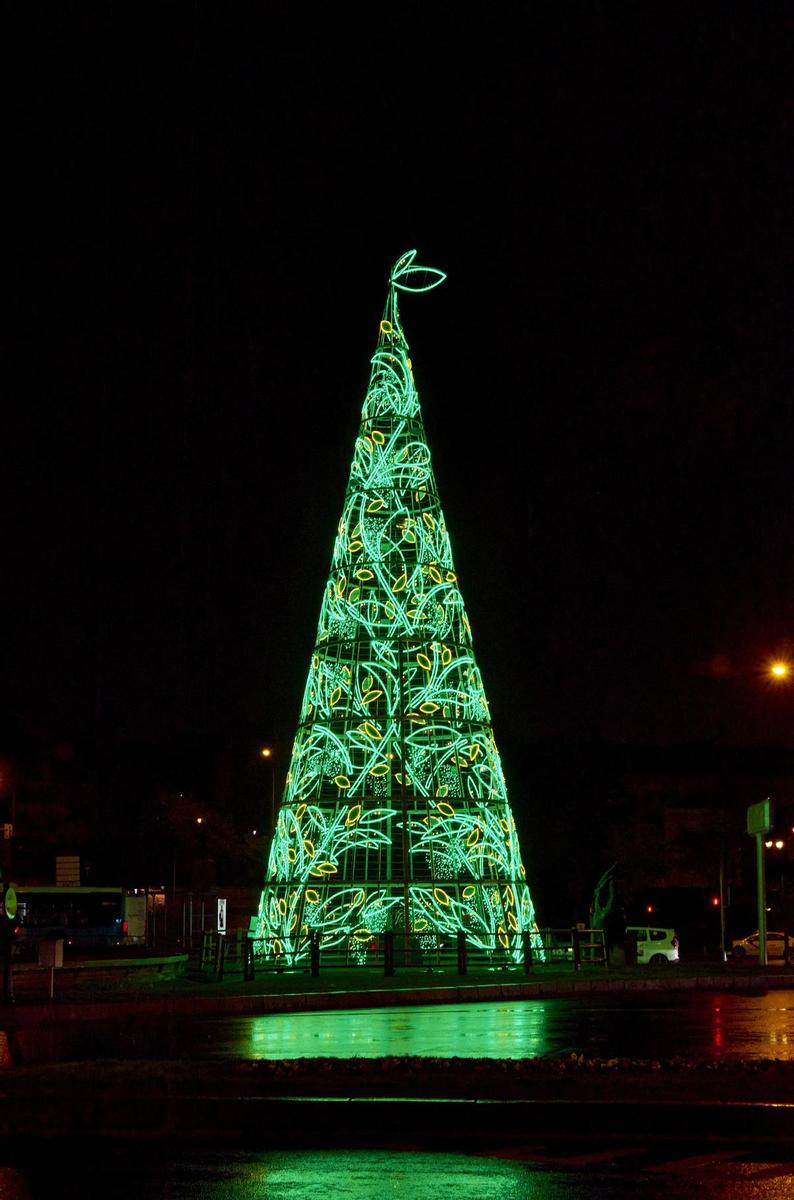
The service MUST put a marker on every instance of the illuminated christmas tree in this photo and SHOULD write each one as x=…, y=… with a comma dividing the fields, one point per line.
x=394, y=814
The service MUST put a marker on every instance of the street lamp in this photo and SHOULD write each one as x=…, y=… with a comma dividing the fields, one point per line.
x=267, y=753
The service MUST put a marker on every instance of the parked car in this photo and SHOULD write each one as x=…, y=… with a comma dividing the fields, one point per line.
x=655, y=946
x=747, y=947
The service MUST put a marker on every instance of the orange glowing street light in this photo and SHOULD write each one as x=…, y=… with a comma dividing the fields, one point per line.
x=779, y=670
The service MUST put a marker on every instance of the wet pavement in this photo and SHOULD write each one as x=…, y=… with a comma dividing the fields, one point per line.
x=538, y=1172
x=694, y=1024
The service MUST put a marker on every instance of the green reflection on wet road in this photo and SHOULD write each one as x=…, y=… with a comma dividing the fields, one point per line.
x=462, y=1031
x=623, y=1174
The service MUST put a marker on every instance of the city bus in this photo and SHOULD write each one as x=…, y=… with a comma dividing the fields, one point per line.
x=85, y=917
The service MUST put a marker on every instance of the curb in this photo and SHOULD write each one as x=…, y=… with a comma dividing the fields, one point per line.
x=283, y=1122
x=259, y=1003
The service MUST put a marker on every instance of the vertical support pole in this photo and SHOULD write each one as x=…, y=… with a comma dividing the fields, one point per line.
x=314, y=952
x=723, y=955
x=526, y=943
x=577, y=950
x=463, y=954
x=404, y=807
x=388, y=952
x=761, y=880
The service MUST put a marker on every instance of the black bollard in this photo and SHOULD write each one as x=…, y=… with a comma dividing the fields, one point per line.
x=526, y=942
x=388, y=952
x=220, y=956
x=577, y=950
x=248, y=961
x=463, y=954
x=314, y=951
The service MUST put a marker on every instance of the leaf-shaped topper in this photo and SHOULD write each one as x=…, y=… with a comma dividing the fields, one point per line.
x=410, y=278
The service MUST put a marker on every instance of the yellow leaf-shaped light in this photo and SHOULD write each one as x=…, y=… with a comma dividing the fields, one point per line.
x=371, y=731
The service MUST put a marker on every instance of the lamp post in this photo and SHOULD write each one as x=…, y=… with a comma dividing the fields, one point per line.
x=759, y=823
x=267, y=753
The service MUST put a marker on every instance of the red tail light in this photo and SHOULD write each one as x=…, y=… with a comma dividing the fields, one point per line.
x=125, y=926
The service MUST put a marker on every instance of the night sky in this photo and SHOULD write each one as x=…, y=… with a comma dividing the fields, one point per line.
x=205, y=206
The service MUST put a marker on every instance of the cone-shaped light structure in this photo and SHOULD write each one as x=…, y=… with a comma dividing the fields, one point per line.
x=394, y=814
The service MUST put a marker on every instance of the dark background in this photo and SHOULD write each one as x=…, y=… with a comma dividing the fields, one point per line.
x=204, y=208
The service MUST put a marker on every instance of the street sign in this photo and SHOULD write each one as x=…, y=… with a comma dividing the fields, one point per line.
x=759, y=817
x=221, y=926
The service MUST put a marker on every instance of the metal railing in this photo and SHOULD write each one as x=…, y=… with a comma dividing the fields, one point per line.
x=392, y=953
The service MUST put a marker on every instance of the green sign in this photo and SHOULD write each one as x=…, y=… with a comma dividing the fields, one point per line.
x=759, y=817
x=10, y=903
